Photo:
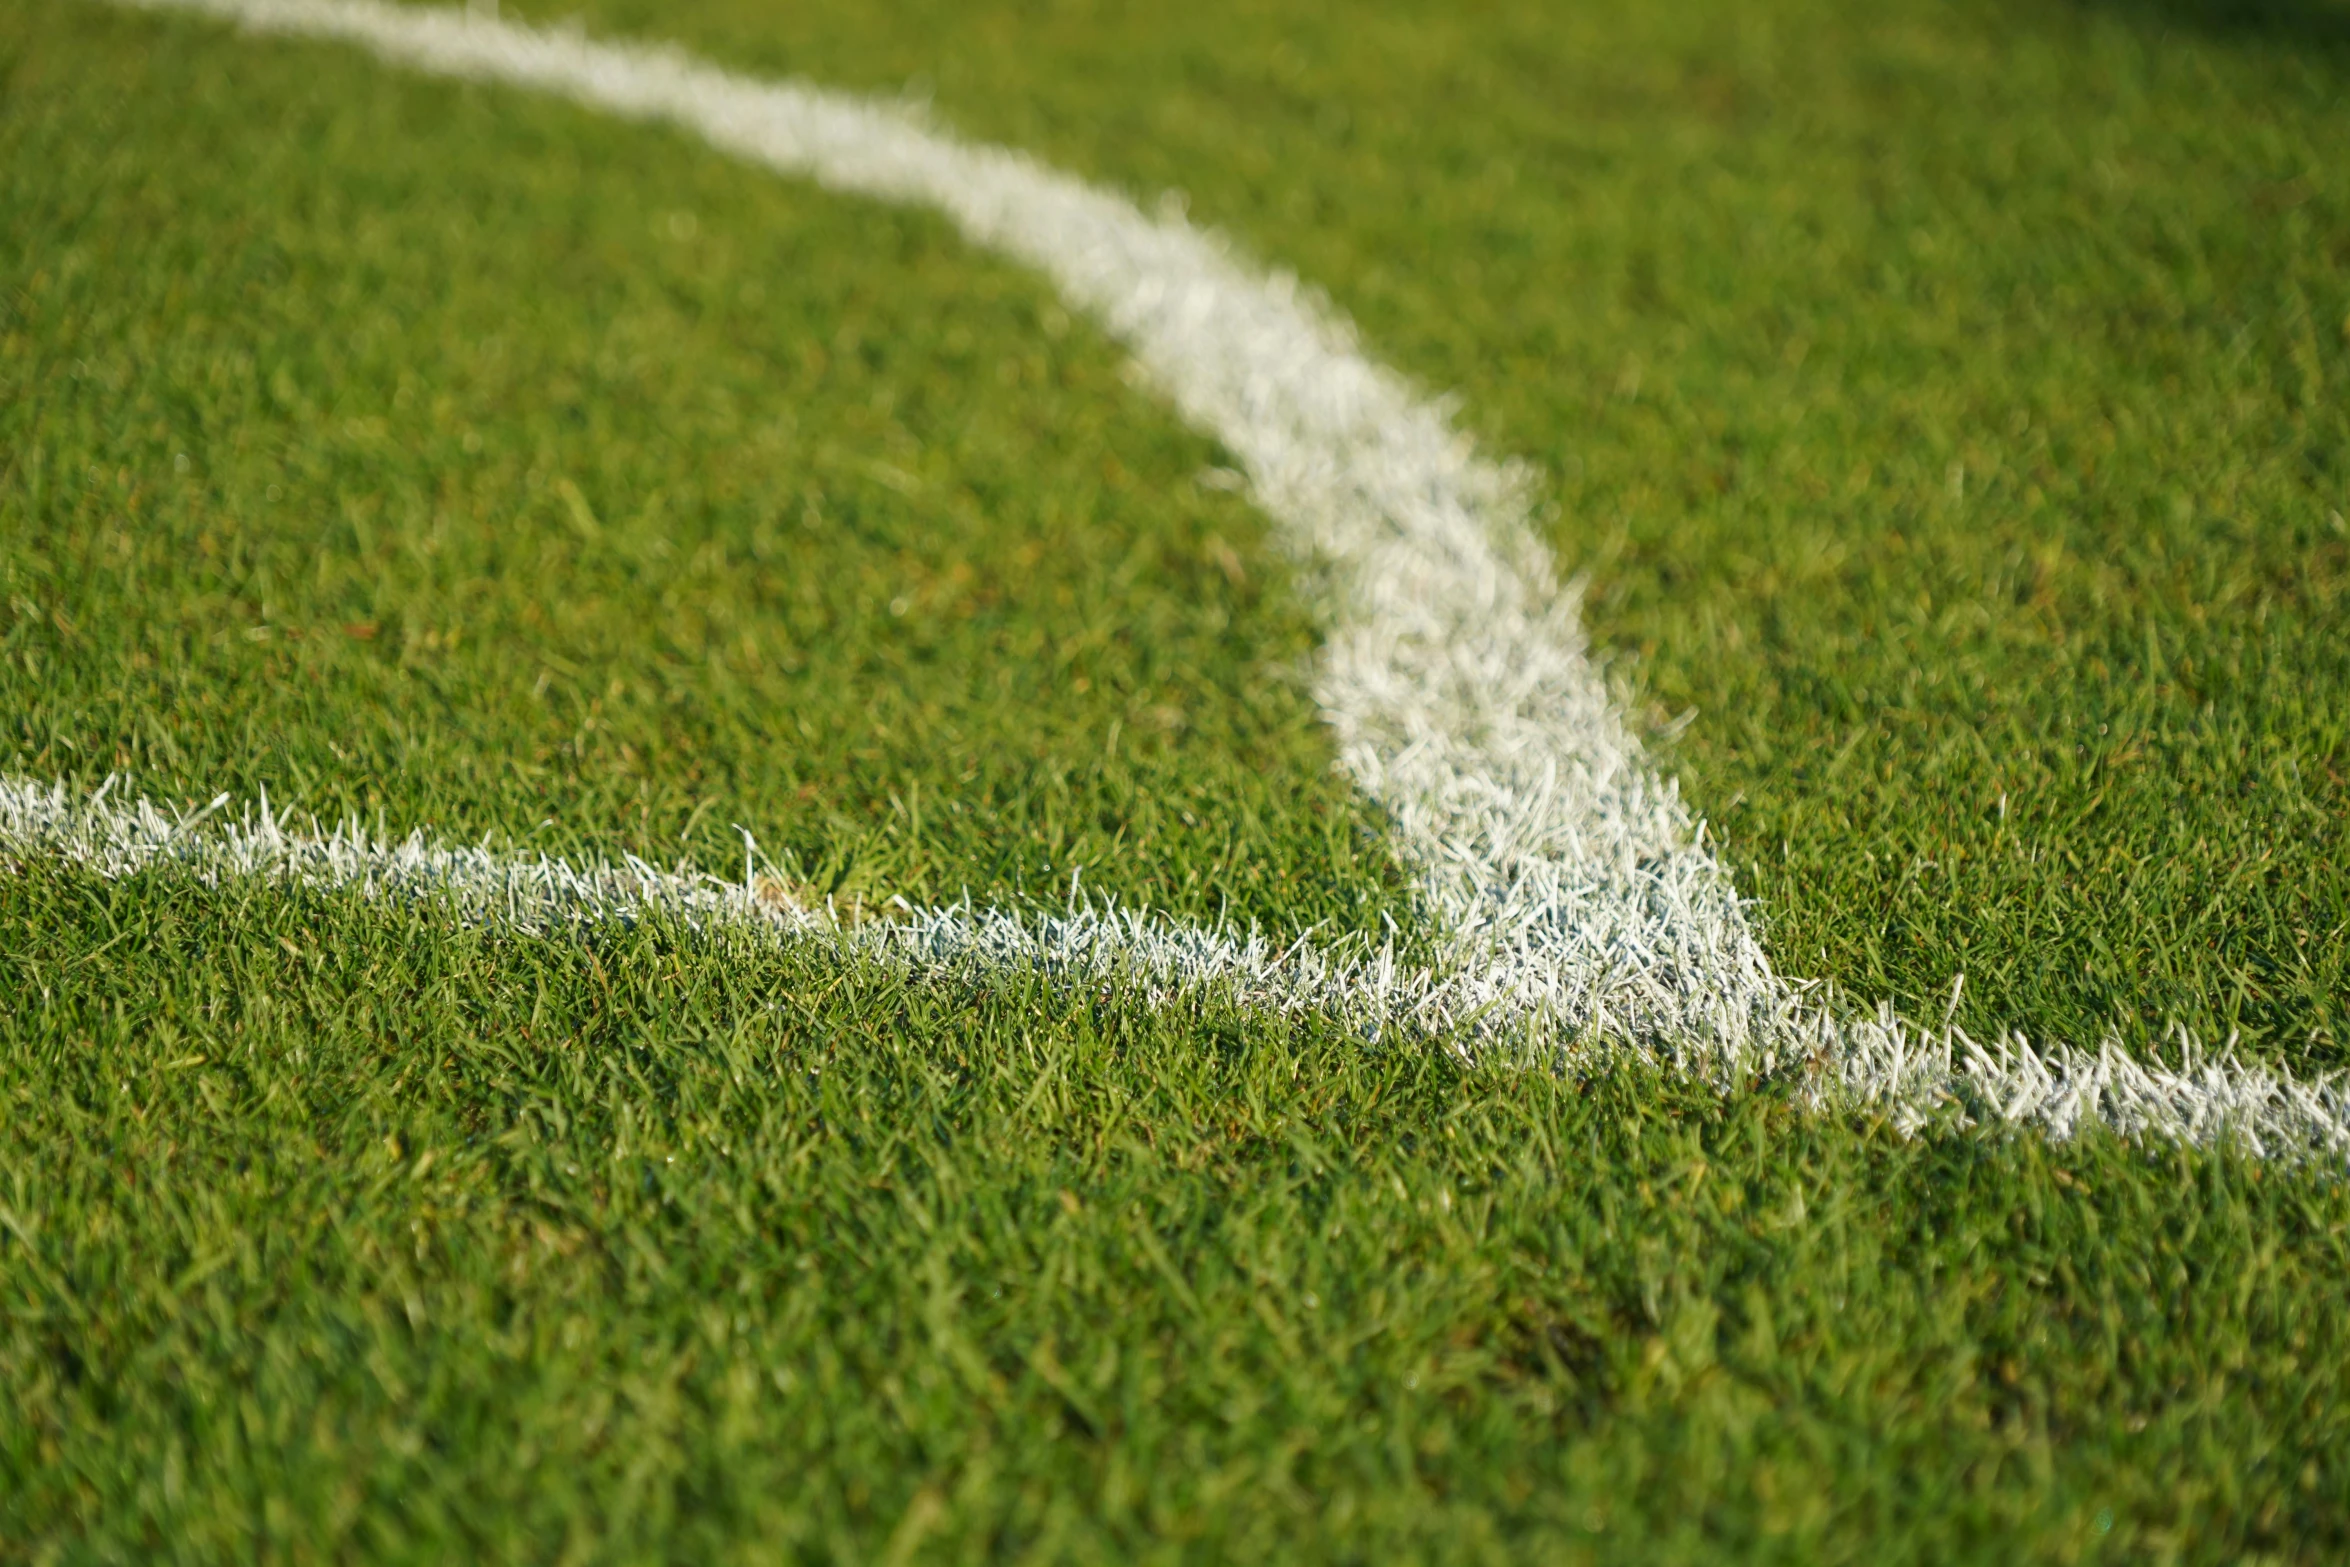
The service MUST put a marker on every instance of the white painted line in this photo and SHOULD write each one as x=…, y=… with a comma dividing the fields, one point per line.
x=1156, y=960
x=1570, y=882
x=1881, y=1062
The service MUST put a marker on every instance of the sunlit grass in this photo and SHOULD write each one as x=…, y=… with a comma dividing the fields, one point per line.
x=1920, y=394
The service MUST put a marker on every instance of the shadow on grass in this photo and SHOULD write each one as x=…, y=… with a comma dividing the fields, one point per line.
x=2321, y=27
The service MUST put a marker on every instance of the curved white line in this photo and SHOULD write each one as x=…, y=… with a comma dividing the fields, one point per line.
x=1572, y=887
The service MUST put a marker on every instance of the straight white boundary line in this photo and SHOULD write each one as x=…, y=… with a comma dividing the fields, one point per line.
x=1881, y=1062
x=1570, y=882
x=1155, y=960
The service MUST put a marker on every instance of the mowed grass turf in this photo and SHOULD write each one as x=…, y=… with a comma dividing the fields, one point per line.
x=333, y=1233
x=330, y=1230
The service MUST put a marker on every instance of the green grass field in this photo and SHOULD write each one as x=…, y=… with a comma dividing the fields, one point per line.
x=1949, y=408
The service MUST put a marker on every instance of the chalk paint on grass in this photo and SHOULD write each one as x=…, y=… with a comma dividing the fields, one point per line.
x=1142, y=957
x=1571, y=886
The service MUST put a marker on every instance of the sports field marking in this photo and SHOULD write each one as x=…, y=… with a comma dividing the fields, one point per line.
x=1881, y=1060
x=1571, y=884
